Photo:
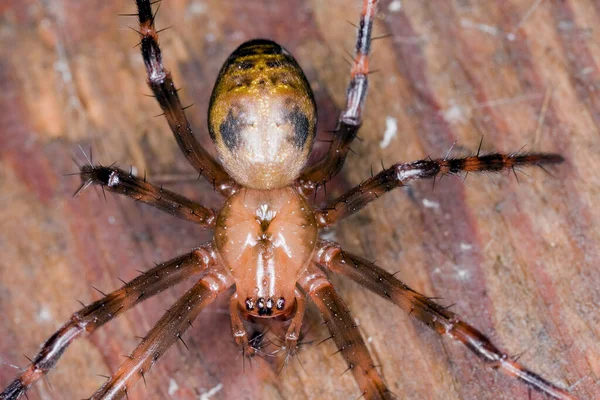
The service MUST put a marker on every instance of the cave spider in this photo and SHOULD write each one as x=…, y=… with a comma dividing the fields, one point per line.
x=268, y=211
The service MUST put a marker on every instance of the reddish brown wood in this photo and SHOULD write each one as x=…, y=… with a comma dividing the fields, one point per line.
x=519, y=260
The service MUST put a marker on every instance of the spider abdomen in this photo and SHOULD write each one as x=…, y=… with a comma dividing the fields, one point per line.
x=262, y=115
x=265, y=239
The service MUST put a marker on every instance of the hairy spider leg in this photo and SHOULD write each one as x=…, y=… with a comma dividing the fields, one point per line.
x=345, y=333
x=163, y=335
x=401, y=174
x=161, y=83
x=93, y=316
x=118, y=181
x=351, y=117
x=329, y=255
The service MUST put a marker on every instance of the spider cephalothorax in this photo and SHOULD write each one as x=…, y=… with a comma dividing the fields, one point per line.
x=262, y=120
x=256, y=232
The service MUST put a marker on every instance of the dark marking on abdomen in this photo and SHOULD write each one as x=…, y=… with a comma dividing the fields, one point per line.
x=274, y=64
x=230, y=130
x=245, y=64
x=301, y=125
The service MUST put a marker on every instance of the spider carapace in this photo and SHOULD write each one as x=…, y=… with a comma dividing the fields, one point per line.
x=262, y=119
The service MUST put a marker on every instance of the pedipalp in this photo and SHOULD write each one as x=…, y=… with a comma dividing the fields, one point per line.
x=292, y=336
x=238, y=330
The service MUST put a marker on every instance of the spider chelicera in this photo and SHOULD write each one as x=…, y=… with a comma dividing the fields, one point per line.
x=262, y=119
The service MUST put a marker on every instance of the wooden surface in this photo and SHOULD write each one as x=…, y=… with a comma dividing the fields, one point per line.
x=519, y=260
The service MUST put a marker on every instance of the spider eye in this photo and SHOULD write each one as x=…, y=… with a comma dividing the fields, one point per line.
x=260, y=303
x=264, y=307
x=280, y=303
x=249, y=304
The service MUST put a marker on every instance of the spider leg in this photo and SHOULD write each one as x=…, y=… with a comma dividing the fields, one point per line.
x=351, y=117
x=446, y=323
x=118, y=181
x=166, y=332
x=91, y=317
x=161, y=83
x=345, y=333
x=401, y=174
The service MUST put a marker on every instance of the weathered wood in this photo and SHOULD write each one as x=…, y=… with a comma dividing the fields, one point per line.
x=520, y=261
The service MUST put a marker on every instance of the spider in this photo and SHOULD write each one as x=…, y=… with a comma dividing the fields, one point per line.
x=262, y=119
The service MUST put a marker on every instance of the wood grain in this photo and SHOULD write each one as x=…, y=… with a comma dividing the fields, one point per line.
x=520, y=260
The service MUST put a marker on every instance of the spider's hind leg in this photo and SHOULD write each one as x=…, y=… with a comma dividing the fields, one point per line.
x=161, y=83
x=351, y=117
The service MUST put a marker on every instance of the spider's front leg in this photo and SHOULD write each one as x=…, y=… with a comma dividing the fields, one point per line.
x=161, y=83
x=166, y=332
x=402, y=174
x=345, y=333
x=444, y=322
x=90, y=318
x=351, y=117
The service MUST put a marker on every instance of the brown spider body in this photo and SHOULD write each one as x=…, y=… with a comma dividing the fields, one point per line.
x=262, y=119
x=266, y=239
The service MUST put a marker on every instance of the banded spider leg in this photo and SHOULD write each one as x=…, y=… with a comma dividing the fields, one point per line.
x=332, y=258
x=350, y=118
x=344, y=331
x=198, y=264
x=402, y=174
x=446, y=323
x=164, y=334
x=163, y=87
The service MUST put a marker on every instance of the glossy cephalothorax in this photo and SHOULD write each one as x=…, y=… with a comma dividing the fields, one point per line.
x=262, y=119
x=266, y=238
